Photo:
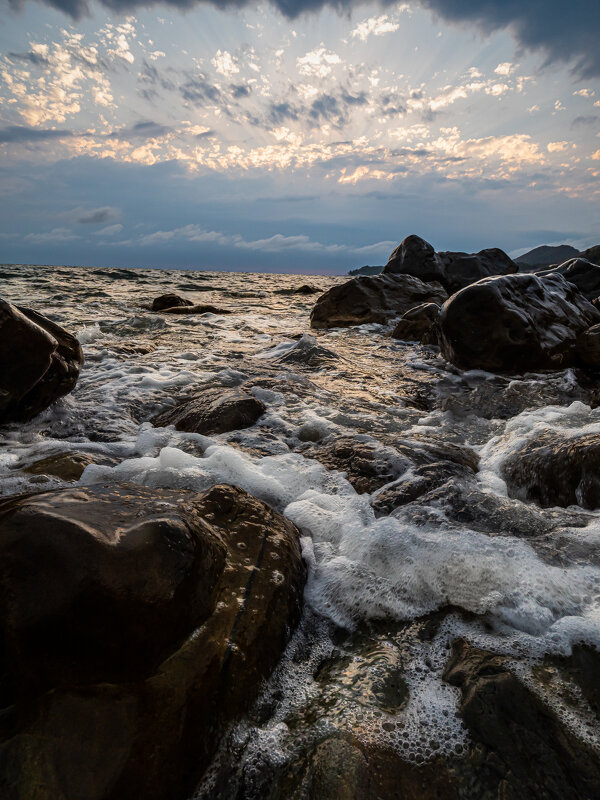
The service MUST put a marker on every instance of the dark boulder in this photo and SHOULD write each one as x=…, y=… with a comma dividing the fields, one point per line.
x=515, y=323
x=166, y=301
x=415, y=256
x=213, y=411
x=522, y=749
x=588, y=346
x=39, y=363
x=555, y=471
x=137, y=623
x=581, y=273
x=365, y=299
x=418, y=324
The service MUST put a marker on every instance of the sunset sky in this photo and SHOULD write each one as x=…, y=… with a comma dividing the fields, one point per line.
x=263, y=136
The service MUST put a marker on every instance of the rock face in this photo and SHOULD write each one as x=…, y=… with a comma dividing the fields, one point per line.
x=39, y=362
x=136, y=624
x=418, y=324
x=515, y=323
x=556, y=472
x=415, y=256
x=213, y=411
x=581, y=273
x=379, y=298
x=166, y=301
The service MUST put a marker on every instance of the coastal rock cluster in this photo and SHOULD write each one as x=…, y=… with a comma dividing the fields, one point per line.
x=139, y=623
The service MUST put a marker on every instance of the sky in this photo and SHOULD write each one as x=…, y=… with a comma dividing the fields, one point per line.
x=294, y=135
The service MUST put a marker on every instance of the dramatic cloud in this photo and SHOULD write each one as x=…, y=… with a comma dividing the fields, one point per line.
x=563, y=33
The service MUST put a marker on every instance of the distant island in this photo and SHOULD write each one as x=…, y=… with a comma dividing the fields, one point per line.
x=365, y=271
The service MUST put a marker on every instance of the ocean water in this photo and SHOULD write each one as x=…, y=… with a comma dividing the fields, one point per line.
x=524, y=582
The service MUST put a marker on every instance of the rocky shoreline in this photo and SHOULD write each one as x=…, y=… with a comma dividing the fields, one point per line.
x=147, y=626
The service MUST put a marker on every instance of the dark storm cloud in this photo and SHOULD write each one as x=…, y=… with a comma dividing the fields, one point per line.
x=24, y=134
x=564, y=32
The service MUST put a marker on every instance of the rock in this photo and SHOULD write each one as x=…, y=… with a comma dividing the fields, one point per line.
x=415, y=256
x=417, y=325
x=167, y=301
x=372, y=299
x=305, y=288
x=65, y=466
x=419, y=481
x=522, y=748
x=581, y=273
x=515, y=323
x=588, y=346
x=308, y=352
x=137, y=623
x=196, y=309
x=554, y=471
x=39, y=363
x=213, y=411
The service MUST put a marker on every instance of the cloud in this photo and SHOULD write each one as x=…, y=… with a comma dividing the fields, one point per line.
x=96, y=216
x=110, y=230
x=591, y=119
x=141, y=130
x=562, y=33
x=55, y=235
x=25, y=133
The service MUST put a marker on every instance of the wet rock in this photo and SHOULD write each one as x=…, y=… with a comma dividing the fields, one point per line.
x=168, y=301
x=305, y=288
x=196, y=309
x=378, y=298
x=213, y=411
x=39, y=363
x=522, y=749
x=65, y=466
x=418, y=324
x=581, y=273
x=556, y=471
x=308, y=352
x=417, y=482
x=515, y=323
x=588, y=346
x=415, y=256
x=137, y=623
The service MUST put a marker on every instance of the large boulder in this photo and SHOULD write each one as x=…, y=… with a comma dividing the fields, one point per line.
x=555, y=471
x=39, y=362
x=581, y=273
x=515, y=323
x=415, y=256
x=213, y=411
x=136, y=624
x=378, y=298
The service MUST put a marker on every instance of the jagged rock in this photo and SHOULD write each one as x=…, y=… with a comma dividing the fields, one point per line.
x=167, y=301
x=417, y=325
x=581, y=273
x=213, y=411
x=515, y=323
x=39, y=363
x=555, y=471
x=415, y=256
x=378, y=298
x=137, y=623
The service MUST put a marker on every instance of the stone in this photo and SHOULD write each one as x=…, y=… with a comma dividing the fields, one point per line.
x=367, y=299
x=581, y=273
x=39, y=363
x=213, y=411
x=167, y=301
x=196, y=309
x=556, y=471
x=137, y=623
x=588, y=346
x=414, y=256
x=515, y=323
x=418, y=324
x=65, y=466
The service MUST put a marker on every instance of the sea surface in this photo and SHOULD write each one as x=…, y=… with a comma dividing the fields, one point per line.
x=524, y=583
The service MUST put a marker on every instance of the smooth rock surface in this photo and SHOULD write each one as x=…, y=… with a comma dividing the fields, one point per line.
x=378, y=298
x=417, y=325
x=581, y=273
x=137, y=623
x=515, y=323
x=39, y=363
x=213, y=411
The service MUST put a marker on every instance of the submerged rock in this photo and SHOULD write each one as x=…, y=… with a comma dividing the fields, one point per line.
x=418, y=324
x=196, y=309
x=213, y=411
x=515, y=323
x=65, y=466
x=167, y=301
x=136, y=624
x=366, y=299
x=554, y=471
x=39, y=363
x=415, y=256
x=308, y=352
